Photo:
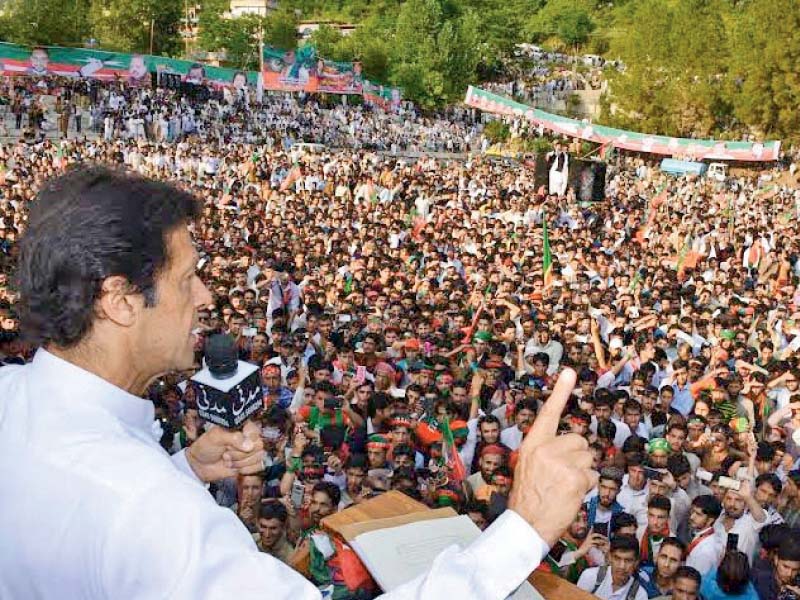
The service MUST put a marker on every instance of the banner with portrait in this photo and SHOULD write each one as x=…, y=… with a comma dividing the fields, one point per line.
x=135, y=69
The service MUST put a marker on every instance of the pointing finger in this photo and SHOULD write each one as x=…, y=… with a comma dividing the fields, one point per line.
x=546, y=424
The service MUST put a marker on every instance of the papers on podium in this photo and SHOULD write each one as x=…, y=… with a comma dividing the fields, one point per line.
x=397, y=555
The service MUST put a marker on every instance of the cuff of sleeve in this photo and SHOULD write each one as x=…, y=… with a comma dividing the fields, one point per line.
x=181, y=463
x=509, y=546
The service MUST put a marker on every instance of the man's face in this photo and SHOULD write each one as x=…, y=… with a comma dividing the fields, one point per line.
x=668, y=560
x=698, y=520
x=657, y=519
x=524, y=418
x=163, y=336
x=488, y=464
x=271, y=531
x=733, y=504
x=579, y=528
x=607, y=491
x=459, y=394
x=602, y=412
x=250, y=490
x=765, y=495
x=658, y=459
x=320, y=507
x=401, y=435
x=355, y=479
x=685, y=589
x=786, y=571
x=623, y=565
x=636, y=478
x=376, y=457
x=39, y=60
x=676, y=437
x=490, y=432
x=632, y=418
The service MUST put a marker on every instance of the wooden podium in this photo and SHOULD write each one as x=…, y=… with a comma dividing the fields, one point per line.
x=394, y=508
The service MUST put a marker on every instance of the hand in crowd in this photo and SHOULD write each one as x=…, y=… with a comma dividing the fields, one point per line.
x=554, y=472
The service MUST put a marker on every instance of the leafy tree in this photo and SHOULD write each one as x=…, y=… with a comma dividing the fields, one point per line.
x=280, y=28
x=765, y=49
x=567, y=22
x=45, y=22
x=125, y=25
x=434, y=57
x=675, y=68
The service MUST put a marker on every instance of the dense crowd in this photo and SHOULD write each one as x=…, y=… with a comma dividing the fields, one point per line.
x=394, y=304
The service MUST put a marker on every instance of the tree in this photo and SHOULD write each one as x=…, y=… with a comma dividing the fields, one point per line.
x=765, y=48
x=675, y=68
x=126, y=25
x=569, y=22
x=280, y=29
x=434, y=56
x=45, y=22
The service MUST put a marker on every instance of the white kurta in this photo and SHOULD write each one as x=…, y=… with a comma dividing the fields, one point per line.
x=94, y=508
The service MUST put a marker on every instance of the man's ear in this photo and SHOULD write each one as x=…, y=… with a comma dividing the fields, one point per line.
x=119, y=301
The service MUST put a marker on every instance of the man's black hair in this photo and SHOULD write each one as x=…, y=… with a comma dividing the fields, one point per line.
x=273, y=510
x=85, y=226
x=331, y=489
x=708, y=504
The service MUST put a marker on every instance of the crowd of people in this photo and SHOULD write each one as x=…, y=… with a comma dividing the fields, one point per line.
x=545, y=86
x=117, y=111
x=400, y=307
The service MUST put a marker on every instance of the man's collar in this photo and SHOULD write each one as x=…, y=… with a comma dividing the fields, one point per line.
x=87, y=388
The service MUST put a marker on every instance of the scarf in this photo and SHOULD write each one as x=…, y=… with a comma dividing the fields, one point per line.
x=575, y=569
x=646, y=553
x=707, y=533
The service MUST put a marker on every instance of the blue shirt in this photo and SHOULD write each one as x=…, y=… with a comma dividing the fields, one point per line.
x=682, y=401
x=710, y=589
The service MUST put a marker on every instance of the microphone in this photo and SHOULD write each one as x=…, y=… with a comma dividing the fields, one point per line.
x=228, y=389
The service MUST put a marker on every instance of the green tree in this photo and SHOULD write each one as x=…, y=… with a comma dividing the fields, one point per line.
x=675, y=68
x=45, y=22
x=765, y=49
x=280, y=29
x=435, y=52
x=126, y=25
x=567, y=23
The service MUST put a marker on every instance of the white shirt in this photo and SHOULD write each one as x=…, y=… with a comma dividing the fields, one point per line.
x=706, y=555
x=511, y=437
x=634, y=501
x=747, y=528
x=587, y=582
x=106, y=513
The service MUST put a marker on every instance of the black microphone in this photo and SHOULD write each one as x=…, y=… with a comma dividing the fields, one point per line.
x=228, y=390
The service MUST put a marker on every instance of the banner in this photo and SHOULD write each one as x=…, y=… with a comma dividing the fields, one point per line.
x=134, y=69
x=290, y=70
x=627, y=140
x=339, y=77
x=378, y=95
x=303, y=70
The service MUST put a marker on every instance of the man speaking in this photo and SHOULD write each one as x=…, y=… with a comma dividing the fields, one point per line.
x=93, y=507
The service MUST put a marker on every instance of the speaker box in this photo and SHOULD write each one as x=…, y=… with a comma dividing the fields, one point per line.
x=541, y=174
x=588, y=179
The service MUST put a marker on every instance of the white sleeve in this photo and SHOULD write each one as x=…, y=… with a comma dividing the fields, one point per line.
x=179, y=544
x=181, y=463
x=492, y=567
x=467, y=451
